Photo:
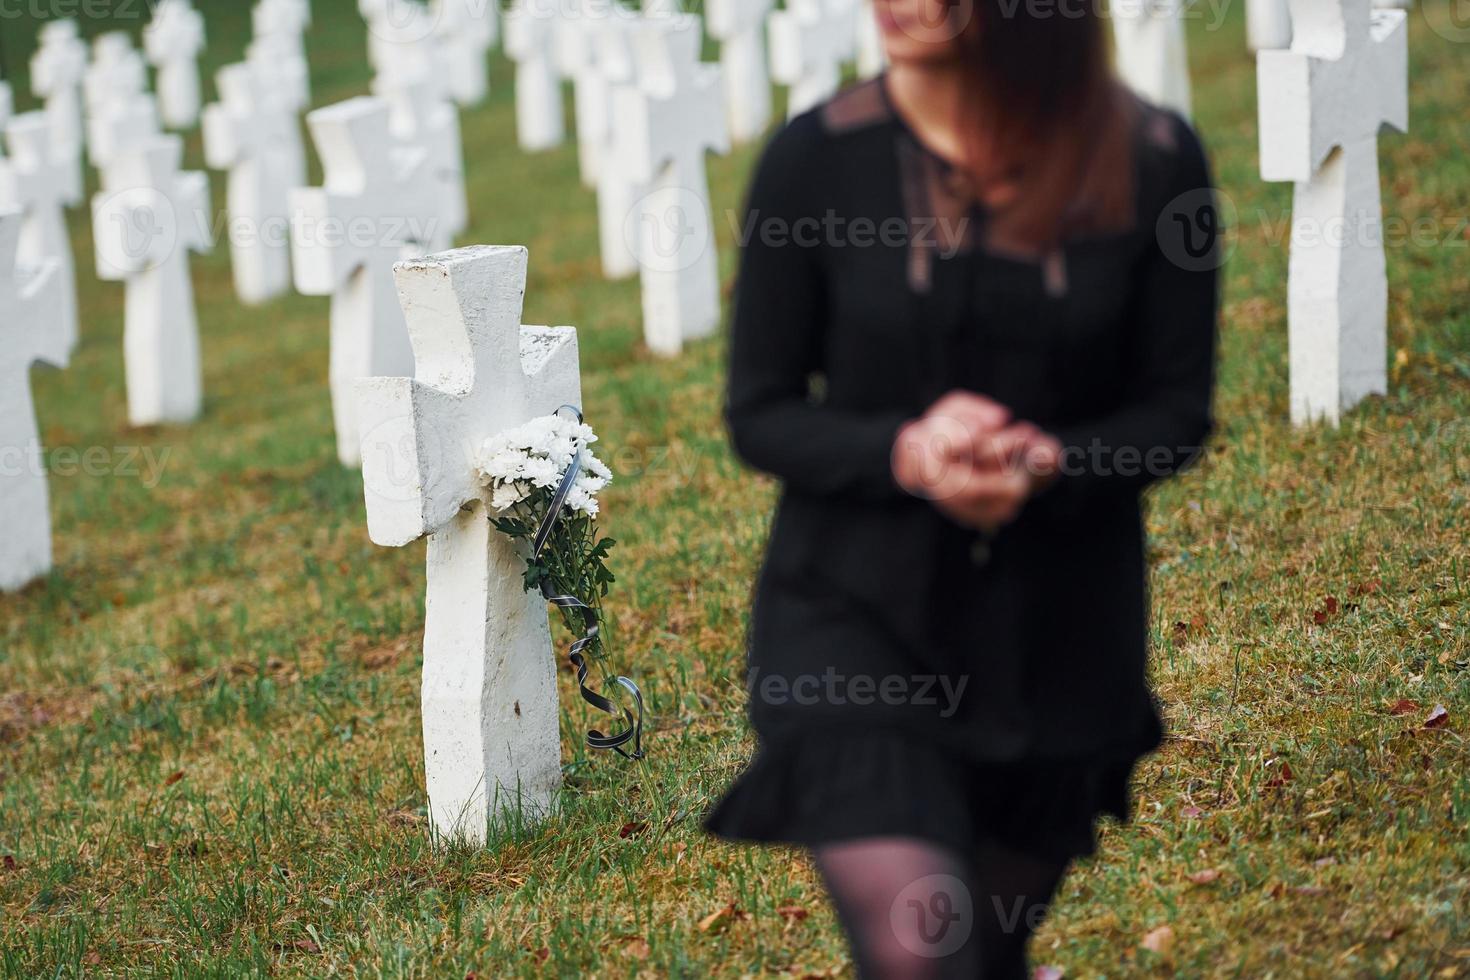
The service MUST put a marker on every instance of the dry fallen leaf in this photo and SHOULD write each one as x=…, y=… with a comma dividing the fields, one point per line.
x=1192, y=812
x=175, y=777
x=1438, y=718
x=718, y=918
x=1404, y=706
x=632, y=828
x=8, y=862
x=1159, y=941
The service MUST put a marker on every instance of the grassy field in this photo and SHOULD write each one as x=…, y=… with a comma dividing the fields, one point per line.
x=210, y=760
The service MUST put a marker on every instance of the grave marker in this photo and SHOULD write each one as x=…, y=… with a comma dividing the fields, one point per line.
x=1323, y=103
x=146, y=220
x=490, y=707
x=665, y=126
x=29, y=300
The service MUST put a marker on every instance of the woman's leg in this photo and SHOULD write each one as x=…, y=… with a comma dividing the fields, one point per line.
x=1014, y=893
x=905, y=905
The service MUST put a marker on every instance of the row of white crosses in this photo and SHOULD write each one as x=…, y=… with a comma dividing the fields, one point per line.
x=444, y=45
x=1268, y=22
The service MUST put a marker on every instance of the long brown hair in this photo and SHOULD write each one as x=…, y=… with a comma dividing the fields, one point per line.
x=1048, y=116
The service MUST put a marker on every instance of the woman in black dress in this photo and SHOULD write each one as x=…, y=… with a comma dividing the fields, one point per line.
x=975, y=318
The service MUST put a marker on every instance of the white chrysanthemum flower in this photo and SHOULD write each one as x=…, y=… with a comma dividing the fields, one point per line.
x=515, y=463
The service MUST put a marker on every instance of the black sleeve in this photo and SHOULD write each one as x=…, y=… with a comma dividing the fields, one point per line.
x=1166, y=417
x=776, y=345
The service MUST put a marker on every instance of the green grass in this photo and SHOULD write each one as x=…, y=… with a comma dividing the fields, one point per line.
x=209, y=746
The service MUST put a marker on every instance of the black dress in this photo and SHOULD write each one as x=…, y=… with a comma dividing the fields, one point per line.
x=907, y=677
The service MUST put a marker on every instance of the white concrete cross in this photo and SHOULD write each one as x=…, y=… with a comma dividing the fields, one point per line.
x=612, y=54
x=530, y=28
x=146, y=220
x=579, y=46
x=1323, y=103
x=740, y=27
x=810, y=40
x=253, y=133
x=30, y=183
x=7, y=103
x=116, y=73
x=467, y=30
x=491, y=734
x=121, y=127
x=1151, y=54
x=57, y=70
x=279, y=27
x=378, y=205
x=403, y=45
x=173, y=40
x=29, y=300
x=665, y=126
x=423, y=117
x=1268, y=24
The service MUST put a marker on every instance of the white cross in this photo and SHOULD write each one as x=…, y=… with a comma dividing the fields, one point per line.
x=121, y=127
x=403, y=46
x=421, y=115
x=1151, y=54
x=612, y=54
x=279, y=27
x=28, y=307
x=378, y=204
x=467, y=30
x=253, y=133
x=530, y=27
x=57, y=69
x=665, y=126
x=740, y=27
x=116, y=74
x=582, y=42
x=173, y=40
x=146, y=220
x=1268, y=24
x=7, y=103
x=1322, y=106
x=810, y=40
x=30, y=183
x=491, y=736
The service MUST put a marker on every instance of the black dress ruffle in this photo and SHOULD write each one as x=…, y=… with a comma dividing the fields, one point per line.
x=827, y=788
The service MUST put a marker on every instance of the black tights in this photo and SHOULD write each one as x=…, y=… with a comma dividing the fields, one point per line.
x=914, y=910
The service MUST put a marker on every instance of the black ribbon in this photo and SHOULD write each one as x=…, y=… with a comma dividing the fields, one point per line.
x=591, y=628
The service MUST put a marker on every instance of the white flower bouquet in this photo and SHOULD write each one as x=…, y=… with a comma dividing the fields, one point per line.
x=543, y=481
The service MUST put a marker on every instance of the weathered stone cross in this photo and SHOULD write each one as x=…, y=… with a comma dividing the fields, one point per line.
x=665, y=126
x=1322, y=104
x=489, y=698
x=378, y=204
x=146, y=220
x=32, y=183
x=253, y=133
x=740, y=27
x=29, y=301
